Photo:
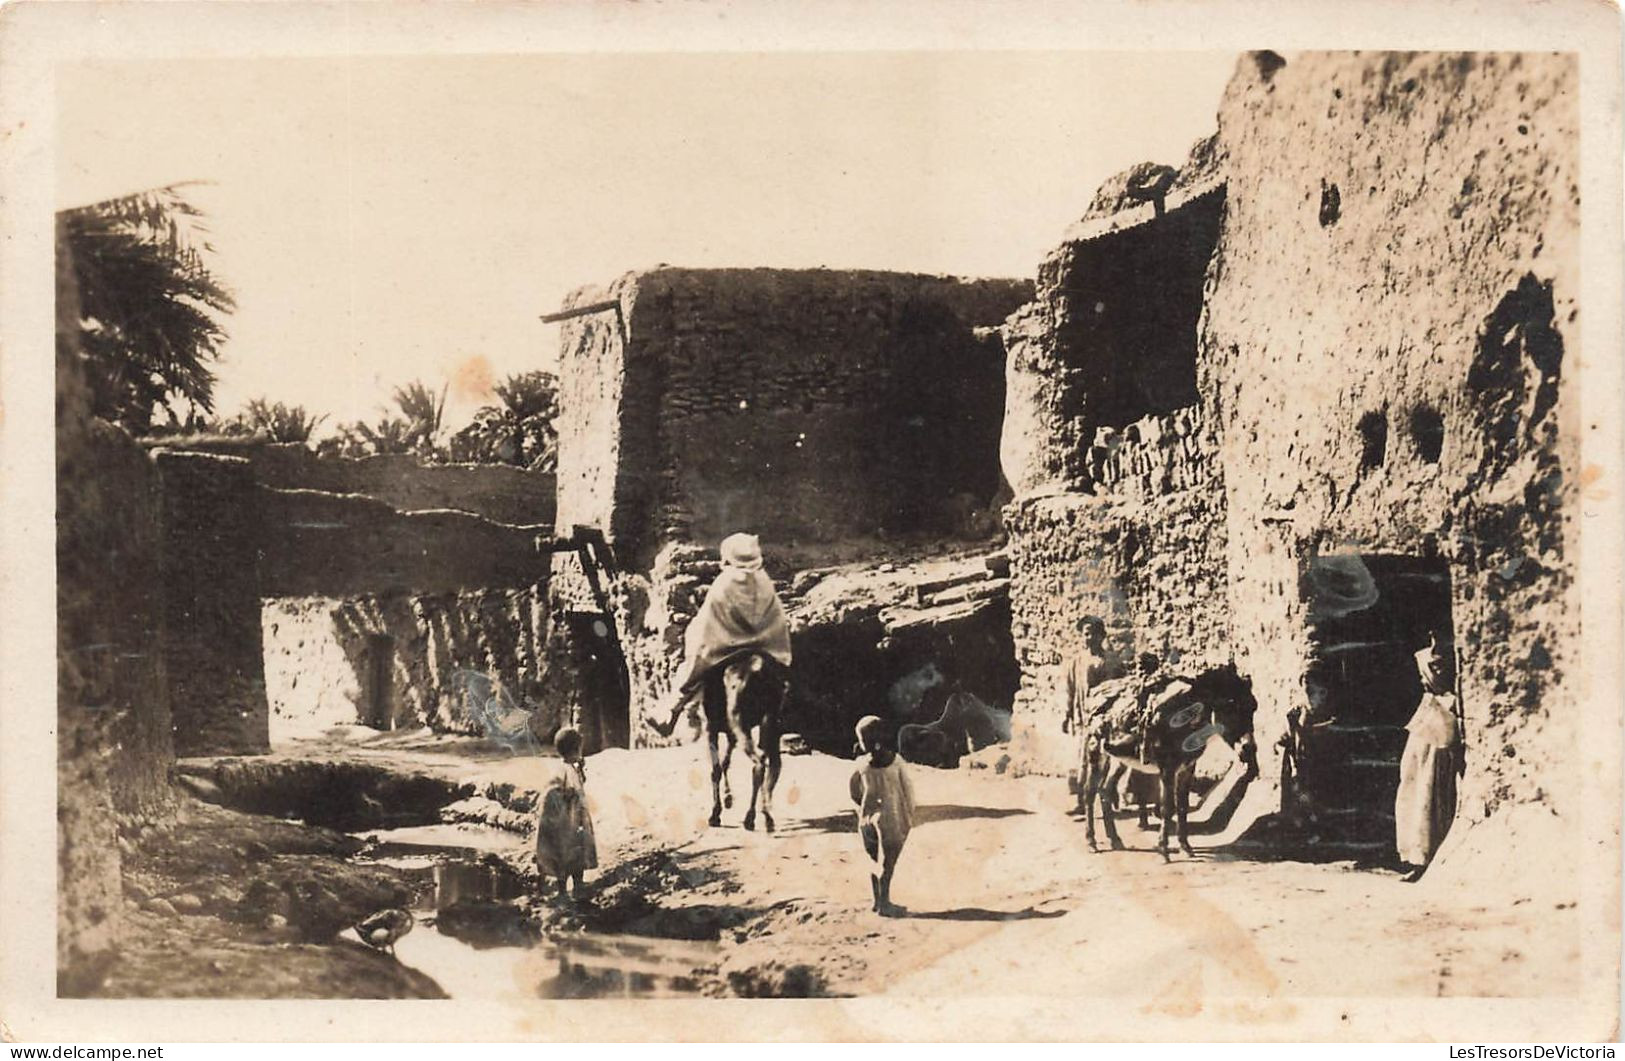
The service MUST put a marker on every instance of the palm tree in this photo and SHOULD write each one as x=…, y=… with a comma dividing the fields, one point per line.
x=423, y=412
x=277, y=422
x=148, y=307
x=520, y=430
x=390, y=434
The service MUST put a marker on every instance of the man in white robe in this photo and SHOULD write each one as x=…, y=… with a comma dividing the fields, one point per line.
x=741, y=611
x=1425, y=804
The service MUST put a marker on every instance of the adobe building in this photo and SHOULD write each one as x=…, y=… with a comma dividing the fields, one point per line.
x=1355, y=306
x=851, y=420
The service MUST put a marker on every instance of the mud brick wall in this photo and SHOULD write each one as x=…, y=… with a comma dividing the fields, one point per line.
x=808, y=406
x=402, y=661
x=497, y=492
x=1112, y=334
x=313, y=543
x=212, y=525
x=1389, y=315
x=1146, y=553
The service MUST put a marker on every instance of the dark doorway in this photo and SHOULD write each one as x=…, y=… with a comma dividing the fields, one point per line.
x=378, y=693
x=602, y=704
x=1368, y=616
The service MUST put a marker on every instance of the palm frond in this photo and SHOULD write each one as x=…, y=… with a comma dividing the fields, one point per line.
x=149, y=308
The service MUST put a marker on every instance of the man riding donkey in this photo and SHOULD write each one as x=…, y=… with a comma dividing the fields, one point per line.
x=736, y=659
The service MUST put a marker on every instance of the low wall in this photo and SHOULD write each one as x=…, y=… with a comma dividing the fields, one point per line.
x=497, y=492
x=313, y=543
x=1112, y=334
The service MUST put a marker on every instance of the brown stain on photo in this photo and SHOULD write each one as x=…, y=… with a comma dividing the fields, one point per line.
x=1590, y=476
x=472, y=378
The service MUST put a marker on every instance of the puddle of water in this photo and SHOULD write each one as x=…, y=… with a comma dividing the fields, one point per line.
x=473, y=941
x=442, y=837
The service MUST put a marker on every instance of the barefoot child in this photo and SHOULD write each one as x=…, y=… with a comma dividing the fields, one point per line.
x=885, y=805
x=565, y=847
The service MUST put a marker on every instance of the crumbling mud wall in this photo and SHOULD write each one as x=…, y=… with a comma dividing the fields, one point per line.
x=809, y=406
x=432, y=597
x=461, y=662
x=1119, y=510
x=1112, y=334
x=1145, y=552
x=211, y=529
x=1388, y=315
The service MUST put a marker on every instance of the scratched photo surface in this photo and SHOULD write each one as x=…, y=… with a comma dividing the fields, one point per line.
x=1052, y=525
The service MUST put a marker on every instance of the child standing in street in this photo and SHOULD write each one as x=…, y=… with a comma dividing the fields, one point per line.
x=565, y=845
x=884, y=799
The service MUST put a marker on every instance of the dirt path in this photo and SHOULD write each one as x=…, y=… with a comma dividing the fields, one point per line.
x=1002, y=895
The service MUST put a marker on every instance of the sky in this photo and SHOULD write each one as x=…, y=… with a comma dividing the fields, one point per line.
x=385, y=219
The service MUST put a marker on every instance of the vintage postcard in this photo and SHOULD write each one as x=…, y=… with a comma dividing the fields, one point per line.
x=942, y=521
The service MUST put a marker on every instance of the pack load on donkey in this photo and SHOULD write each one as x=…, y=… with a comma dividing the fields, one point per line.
x=1161, y=726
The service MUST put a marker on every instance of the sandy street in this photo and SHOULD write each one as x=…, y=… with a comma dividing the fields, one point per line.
x=1000, y=887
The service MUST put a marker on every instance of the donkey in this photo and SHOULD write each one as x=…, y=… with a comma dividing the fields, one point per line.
x=1185, y=712
x=747, y=692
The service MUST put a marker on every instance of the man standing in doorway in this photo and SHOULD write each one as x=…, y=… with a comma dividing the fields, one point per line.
x=1426, y=802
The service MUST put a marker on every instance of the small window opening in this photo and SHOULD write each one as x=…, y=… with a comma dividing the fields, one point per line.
x=1374, y=440
x=1427, y=428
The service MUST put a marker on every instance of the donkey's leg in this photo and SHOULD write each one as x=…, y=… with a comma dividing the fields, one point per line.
x=1108, y=801
x=1182, y=799
x=773, y=761
x=1165, y=789
x=719, y=776
x=727, y=764
x=757, y=768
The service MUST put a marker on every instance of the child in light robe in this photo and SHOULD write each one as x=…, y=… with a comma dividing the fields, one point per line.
x=884, y=800
x=565, y=845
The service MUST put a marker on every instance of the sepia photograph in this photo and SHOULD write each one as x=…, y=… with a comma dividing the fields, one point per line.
x=603, y=531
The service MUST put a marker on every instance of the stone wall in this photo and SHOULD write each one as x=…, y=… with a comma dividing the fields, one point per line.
x=1145, y=552
x=211, y=530
x=1388, y=313
x=401, y=661
x=812, y=407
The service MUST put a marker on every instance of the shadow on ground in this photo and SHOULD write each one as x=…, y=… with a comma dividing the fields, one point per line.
x=847, y=822
x=977, y=913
